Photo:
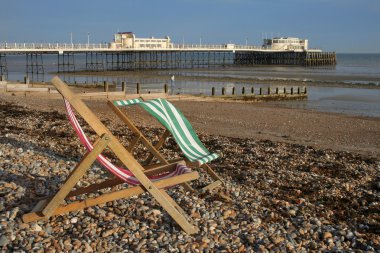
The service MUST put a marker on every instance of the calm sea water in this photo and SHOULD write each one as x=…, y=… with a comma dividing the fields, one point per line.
x=351, y=68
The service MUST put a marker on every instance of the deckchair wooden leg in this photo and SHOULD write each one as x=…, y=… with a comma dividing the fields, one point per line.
x=135, y=130
x=212, y=173
x=212, y=186
x=159, y=144
x=125, y=193
x=133, y=143
x=76, y=174
x=173, y=202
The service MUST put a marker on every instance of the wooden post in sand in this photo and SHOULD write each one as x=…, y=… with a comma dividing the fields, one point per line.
x=305, y=90
x=243, y=90
x=123, y=87
x=166, y=88
x=291, y=91
x=252, y=90
x=285, y=90
x=277, y=90
x=105, y=86
x=137, y=88
x=261, y=91
x=268, y=90
x=233, y=90
x=299, y=90
x=223, y=91
x=213, y=91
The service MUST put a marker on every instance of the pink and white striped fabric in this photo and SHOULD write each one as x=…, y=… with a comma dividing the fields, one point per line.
x=122, y=173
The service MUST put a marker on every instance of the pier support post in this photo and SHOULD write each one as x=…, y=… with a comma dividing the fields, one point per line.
x=223, y=91
x=277, y=90
x=26, y=79
x=305, y=90
x=213, y=91
x=285, y=90
x=243, y=90
x=269, y=91
x=233, y=90
x=291, y=91
x=137, y=88
x=252, y=90
x=261, y=91
x=298, y=90
x=3, y=67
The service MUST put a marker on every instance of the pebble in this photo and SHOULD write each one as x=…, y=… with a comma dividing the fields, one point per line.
x=3, y=240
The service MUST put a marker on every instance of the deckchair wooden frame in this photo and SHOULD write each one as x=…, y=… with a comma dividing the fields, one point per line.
x=54, y=206
x=154, y=149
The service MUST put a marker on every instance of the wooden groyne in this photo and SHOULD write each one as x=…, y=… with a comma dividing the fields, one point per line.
x=286, y=58
x=262, y=94
x=245, y=94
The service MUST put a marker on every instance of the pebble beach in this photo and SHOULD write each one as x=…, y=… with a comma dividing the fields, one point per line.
x=282, y=193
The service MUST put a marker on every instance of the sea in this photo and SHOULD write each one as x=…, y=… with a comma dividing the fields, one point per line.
x=351, y=87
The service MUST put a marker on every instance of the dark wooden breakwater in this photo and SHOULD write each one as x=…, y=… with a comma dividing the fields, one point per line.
x=141, y=60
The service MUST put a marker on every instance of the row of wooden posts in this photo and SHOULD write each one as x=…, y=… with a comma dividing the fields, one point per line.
x=261, y=91
x=213, y=90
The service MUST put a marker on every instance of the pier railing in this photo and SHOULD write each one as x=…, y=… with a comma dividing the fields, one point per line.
x=58, y=46
x=106, y=47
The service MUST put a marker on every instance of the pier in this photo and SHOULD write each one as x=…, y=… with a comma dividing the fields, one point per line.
x=127, y=52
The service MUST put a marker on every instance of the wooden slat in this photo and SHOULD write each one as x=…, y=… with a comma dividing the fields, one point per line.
x=125, y=157
x=135, y=130
x=211, y=186
x=107, y=197
x=159, y=144
x=133, y=143
x=75, y=175
x=95, y=187
x=212, y=173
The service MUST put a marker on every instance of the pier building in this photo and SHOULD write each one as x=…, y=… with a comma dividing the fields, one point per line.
x=287, y=43
x=129, y=40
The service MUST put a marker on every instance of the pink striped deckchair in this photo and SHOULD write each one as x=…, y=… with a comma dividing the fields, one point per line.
x=154, y=180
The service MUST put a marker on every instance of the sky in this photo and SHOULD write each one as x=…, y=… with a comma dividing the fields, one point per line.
x=343, y=26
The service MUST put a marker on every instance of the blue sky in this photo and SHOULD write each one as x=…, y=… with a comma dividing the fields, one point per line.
x=333, y=25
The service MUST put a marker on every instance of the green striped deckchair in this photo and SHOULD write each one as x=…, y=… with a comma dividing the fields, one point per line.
x=177, y=125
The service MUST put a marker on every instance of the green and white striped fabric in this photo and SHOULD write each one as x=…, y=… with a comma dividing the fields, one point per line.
x=180, y=128
x=127, y=102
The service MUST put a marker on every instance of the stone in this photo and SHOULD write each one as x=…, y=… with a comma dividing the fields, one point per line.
x=36, y=228
x=74, y=220
x=327, y=235
x=4, y=241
